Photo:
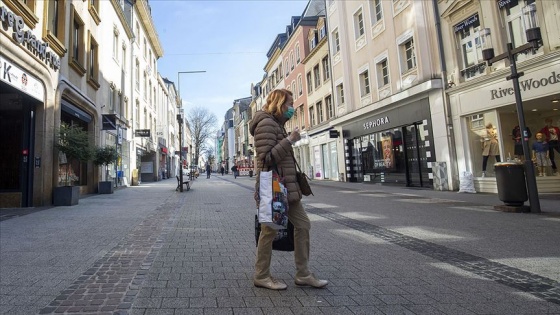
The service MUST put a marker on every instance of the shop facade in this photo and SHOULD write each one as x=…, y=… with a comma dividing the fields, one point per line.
x=489, y=104
x=28, y=78
x=323, y=157
x=394, y=144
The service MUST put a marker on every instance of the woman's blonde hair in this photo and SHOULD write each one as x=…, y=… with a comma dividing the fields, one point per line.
x=275, y=100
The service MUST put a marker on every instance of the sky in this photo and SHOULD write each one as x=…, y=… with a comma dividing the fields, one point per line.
x=228, y=39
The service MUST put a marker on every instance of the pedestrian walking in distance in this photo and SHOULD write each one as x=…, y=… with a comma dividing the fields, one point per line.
x=234, y=170
x=207, y=171
x=222, y=170
x=274, y=151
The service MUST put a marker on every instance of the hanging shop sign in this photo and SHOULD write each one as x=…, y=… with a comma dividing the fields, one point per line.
x=19, y=79
x=507, y=3
x=142, y=133
x=108, y=122
x=27, y=39
x=467, y=23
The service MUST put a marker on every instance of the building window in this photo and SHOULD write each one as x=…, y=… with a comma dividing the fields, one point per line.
x=311, y=116
x=145, y=48
x=340, y=94
x=364, y=83
x=54, y=28
x=320, y=117
x=335, y=42
x=123, y=64
x=382, y=73
x=302, y=117
x=111, y=98
x=116, y=44
x=292, y=63
x=326, y=68
x=376, y=11
x=145, y=85
x=297, y=54
x=300, y=85
x=137, y=74
x=93, y=63
x=322, y=32
x=294, y=88
x=358, y=24
x=94, y=10
x=513, y=18
x=408, y=55
x=467, y=34
x=330, y=107
x=137, y=115
x=312, y=43
x=287, y=66
x=477, y=121
x=150, y=103
x=317, y=76
x=309, y=83
x=77, y=44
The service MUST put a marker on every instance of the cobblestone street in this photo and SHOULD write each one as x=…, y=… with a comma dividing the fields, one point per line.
x=385, y=250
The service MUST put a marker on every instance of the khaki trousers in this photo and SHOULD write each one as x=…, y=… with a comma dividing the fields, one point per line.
x=300, y=220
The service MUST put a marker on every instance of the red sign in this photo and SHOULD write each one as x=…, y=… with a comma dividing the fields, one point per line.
x=164, y=150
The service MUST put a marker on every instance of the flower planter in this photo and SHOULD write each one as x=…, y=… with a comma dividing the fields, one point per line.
x=105, y=187
x=66, y=195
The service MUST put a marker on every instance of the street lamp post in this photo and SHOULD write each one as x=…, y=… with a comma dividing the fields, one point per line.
x=533, y=34
x=180, y=120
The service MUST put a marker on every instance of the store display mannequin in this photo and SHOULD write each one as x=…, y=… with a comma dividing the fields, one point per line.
x=517, y=137
x=489, y=147
x=540, y=154
x=551, y=136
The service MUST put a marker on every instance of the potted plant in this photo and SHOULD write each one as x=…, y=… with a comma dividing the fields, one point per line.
x=105, y=156
x=73, y=146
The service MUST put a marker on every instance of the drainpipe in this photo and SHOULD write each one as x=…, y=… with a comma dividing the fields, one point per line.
x=453, y=169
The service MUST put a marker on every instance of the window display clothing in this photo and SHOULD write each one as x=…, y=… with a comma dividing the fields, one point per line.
x=516, y=136
x=490, y=146
x=551, y=134
x=541, y=153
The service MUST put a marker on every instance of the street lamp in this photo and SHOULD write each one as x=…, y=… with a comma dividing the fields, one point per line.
x=533, y=33
x=180, y=120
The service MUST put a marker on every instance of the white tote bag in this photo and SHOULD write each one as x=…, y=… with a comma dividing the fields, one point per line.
x=273, y=206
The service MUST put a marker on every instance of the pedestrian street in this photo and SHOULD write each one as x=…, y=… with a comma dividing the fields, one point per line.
x=149, y=249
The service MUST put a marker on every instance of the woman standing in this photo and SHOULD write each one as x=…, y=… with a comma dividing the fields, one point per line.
x=274, y=150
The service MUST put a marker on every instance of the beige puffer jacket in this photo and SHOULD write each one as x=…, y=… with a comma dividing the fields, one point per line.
x=273, y=148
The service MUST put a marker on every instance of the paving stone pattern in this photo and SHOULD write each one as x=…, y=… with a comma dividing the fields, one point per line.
x=193, y=253
x=541, y=287
x=111, y=284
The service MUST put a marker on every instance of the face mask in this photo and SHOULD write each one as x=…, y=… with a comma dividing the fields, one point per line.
x=289, y=113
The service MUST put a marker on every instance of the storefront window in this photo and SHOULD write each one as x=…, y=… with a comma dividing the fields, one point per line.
x=485, y=142
x=75, y=171
x=382, y=156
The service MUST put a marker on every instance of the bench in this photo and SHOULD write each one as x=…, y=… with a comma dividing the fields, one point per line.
x=185, y=182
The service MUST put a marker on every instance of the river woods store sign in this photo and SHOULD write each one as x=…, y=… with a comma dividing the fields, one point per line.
x=27, y=39
x=527, y=85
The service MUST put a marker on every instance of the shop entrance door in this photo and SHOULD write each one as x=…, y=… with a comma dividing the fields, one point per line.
x=416, y=160
x=16, y=128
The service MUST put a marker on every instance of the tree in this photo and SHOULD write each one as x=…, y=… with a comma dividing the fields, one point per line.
x=105, y=156
x=202, y=125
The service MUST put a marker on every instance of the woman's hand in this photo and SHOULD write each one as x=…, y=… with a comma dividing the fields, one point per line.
x=294, y=135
